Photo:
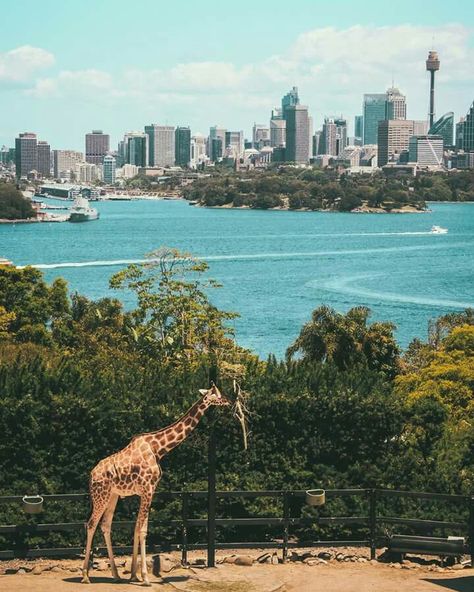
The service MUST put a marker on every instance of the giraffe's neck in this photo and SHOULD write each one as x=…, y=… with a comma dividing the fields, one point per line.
x=168, y=438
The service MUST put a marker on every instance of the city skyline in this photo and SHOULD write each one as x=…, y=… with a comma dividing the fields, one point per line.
x=62, y=92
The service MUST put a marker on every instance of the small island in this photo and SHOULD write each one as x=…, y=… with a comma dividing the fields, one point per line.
x=313, y=189
x=14, y=207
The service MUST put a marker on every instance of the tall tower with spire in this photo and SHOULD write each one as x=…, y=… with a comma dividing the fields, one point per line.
x=432, y=65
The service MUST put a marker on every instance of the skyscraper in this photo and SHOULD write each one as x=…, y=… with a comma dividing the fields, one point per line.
x=468, y=131
x=161, y=145
x=97, y=146
x=182, y=146
x=277, y=128
x=297, y=133
x=341, y=134
x=109, y=169
x=432, y=66
x=396, y=104
x=44, y=159
x=26, y=154
x=444, y=127
x=426, y=150
x=198, y=150
x=64, y=162
x=328, y=139
x=359, y=126
x=393, y=138
x=377, y=107
x=216, y=149
x=234, y=141
x=137, y=149
x=290, y=100
x=260, y=136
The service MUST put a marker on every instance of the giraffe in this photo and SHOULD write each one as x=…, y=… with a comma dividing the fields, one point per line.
x=135, y=470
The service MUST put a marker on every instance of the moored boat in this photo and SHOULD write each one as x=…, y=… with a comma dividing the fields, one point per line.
x=81, y=210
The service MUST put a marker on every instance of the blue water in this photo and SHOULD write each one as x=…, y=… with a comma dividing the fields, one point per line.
x=276, y=267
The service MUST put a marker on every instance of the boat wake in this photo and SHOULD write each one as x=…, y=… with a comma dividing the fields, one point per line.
x=346, y=286
x=253, y=256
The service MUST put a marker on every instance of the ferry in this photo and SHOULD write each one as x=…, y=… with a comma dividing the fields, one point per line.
x=81, y=210
x=5, y=261
x=438, y=230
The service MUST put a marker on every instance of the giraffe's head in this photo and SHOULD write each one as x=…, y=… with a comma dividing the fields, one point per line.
x=213, y=396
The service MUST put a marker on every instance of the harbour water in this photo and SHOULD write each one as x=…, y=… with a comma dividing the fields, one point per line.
x=275, y=266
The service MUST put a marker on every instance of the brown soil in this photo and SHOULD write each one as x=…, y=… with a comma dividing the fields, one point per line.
x=294, y=577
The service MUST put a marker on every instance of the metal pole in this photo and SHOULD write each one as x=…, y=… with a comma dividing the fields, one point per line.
x=373, y=522
x=184, y=531
x=471, y=530
x=211, y=483
x=286, y=525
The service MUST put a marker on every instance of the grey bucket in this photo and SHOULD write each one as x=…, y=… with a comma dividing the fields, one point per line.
x=32, y=504
x=315, y=497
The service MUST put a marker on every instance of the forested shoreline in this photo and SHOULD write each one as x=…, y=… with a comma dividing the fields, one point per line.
x=13, y=206
x=293, y=188
x=346, y=408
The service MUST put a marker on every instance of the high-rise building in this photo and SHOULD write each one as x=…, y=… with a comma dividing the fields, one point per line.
x=182, y=146
x=341, y=134
x=396, y=104
x=426, y=150
x=260, y=136
x=198, y=150
x=432, y=66
x=393, y=138
x=316, y=142
x=377, y=107
x=26, y=154
x=328, y=139
x=64, y=162
x=44, y=158
x=297, y=133
x=86, y=172
x=216, y=149
x=97, y=146
x=459, y=137
x=290, y=100
x=444, y=127
x=467, y=134
x=310, y=137
x=137, y=149
x=234, y=142
x=161, y=145
x=277, y=129
x=359, y=126
x=108, y=171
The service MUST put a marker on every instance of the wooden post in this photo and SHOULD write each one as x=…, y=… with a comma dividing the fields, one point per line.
x=184, y=529
x=373, y=522
x=286, y=525
x=211, y=482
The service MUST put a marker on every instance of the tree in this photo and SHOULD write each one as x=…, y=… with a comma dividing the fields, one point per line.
x=13, y=206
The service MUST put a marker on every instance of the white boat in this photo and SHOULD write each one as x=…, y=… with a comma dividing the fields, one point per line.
x=81, y=210
x=438, y=230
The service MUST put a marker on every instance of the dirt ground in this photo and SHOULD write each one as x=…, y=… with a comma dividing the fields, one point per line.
x=332, y=576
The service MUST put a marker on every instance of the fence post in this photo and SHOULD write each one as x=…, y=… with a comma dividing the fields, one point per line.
x=373, y=522
x=286, y=524
x=184, y=529
x=471, y=530
x=211, y=481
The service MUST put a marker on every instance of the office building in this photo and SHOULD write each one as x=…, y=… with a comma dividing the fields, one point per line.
x=86, y=172
x=260, y=136
x=44, y=159
x=182, y=146
x=359, y=126
x=289, y=100
x=297, y=133
x=328, y=138
x=108, y=171
x=64, y=162
x=426, y=150
x=341, y=134
x=316, y=142
x=393, y=138
x=137, y=150
x=216, y=142
x=26, y=154
x=277, y=130
x=198, y=150
x=97, y=146
x=396, y=104
x=234, y=143
x=161, y=145
x=466, y=131
x=444, y=127
x=459, y=138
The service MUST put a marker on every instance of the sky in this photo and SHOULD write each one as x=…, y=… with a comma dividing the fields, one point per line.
x=67, y=67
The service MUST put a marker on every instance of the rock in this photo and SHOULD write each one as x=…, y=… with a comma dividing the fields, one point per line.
x=458, y=566
x=56, y=569
x=101, y=566
x=37, y=570
x=21, y=571
x=361, y=560
x=11, y=570
x=274, y=559
x=265, y=558
x=163, y=563
x=311, y=561
x=340, y=557
x=326, y=555
x=295, y=556
x=244, y=560
x=230, y=559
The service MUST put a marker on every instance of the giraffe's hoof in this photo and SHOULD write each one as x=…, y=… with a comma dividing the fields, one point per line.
x=85, y=580
x=134, y=579
x=146, y=583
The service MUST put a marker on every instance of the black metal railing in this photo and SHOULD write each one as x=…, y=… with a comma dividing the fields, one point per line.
x=373, y=522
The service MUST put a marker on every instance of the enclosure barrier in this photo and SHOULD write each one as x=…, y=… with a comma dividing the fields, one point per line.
x=372, y=521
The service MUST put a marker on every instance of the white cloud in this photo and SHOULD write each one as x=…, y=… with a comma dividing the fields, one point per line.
x=18, y=66
x=333, y=68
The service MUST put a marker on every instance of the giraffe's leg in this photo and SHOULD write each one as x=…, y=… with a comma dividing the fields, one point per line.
x=134, y=568
x=99, y=504
x=106, y=527
x=140, y=534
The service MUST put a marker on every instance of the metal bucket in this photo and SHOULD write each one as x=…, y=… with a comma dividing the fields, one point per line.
x=32, y=504
x=315, y=497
